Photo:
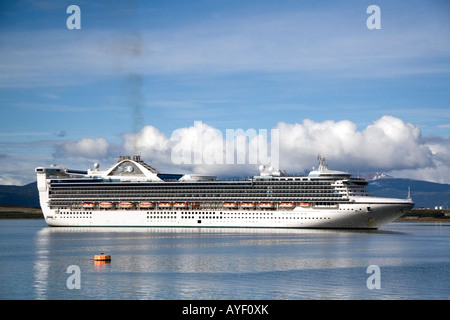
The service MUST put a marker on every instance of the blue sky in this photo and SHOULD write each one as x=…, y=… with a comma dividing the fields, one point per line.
x=73, y=96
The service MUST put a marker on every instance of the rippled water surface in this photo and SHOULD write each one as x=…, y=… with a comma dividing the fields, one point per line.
x=214, y=264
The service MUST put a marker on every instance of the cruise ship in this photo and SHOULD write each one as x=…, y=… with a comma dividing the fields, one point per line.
x=131, y=193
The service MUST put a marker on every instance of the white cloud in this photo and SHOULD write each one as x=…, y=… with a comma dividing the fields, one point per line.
x=12, y=179
x=150, y=143
x=385, y=145
x=86, y=148
x=201, y=148
x=18, y=168
x=388, y=145
x=200, y=144
x=439, y=171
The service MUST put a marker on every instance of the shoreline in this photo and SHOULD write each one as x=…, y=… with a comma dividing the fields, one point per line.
x=19, y=212
x=416, y=215
x=424, y=219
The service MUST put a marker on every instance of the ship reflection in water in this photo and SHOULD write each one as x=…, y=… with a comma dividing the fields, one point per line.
x=212, y=264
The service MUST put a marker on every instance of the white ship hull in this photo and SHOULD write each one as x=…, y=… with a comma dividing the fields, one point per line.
x=346, y=216
x=132, y=194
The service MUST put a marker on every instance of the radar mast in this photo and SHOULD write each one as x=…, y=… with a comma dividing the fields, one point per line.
x=322, y=165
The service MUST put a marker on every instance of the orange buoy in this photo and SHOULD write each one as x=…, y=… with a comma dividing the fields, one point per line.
x=102, y=257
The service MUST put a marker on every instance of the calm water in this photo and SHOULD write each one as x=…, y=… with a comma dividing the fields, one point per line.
x=215, y=264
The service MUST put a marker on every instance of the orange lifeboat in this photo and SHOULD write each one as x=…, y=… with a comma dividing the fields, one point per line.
x=231, y=205
x=165, y=205
x=248, y=205
x=106, y=205
x=304, y=204
x=146, y=205
x=126, y=205
x=266, y=205
x=287, y=205
x=88, y=205
x=179, y=205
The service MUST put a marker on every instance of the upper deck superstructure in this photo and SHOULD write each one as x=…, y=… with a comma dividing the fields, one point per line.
x=134, y=189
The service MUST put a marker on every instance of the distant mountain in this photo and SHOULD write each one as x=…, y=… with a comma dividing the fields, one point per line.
x=26, y=195
x=373, y=176
x=424, y=194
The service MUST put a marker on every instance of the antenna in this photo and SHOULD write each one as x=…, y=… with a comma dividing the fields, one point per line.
x=322, y=165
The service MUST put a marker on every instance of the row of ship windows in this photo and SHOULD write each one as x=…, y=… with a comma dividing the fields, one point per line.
x=211, y=205
x=194, y=190
x=183, y=213
x=75, y=214
x=172, y=186
x=239, y=217
x=206, y=217
x=164, y=215
x=200, y=194
x=202, y=191
x=204, y=188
